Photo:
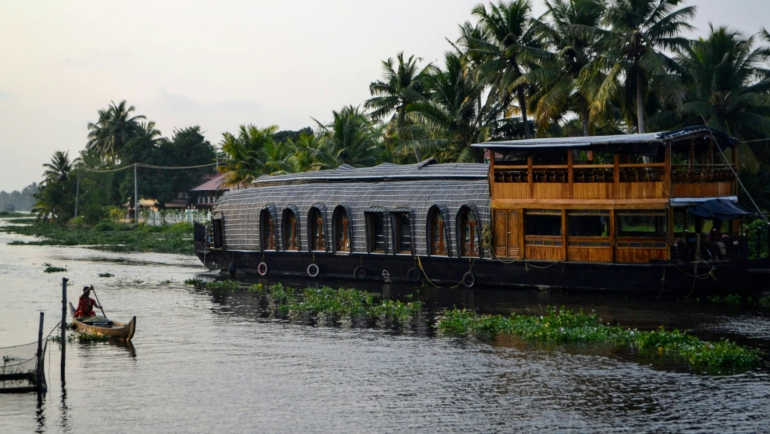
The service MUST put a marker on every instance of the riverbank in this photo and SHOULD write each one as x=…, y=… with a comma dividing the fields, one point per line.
x=115, y=237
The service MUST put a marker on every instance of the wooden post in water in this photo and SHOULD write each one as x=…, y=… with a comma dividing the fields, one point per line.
x=64, y=281
x=39, y=373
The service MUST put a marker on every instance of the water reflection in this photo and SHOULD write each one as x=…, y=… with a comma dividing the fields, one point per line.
x=213, y=361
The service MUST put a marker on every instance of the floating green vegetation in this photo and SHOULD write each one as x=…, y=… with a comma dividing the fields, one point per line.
x=564, y=326
x=53, y=269
x=223, y=284
x=106, y=275
x=732, y=300
x=17, y=243
x=197, y=283
x=764, y=301
x=81, y=338
x=107, y=235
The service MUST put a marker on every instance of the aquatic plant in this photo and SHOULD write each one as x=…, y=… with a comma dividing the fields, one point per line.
x=764, y=301
x=53, y=269
x=732, y=300
x=223, y=284
x=81, y=338
x=564, y=326
x=106, y=275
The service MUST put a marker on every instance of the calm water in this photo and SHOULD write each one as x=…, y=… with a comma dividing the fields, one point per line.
x=203, y=362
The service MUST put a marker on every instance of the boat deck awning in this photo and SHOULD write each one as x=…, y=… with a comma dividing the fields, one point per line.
x=719, y=209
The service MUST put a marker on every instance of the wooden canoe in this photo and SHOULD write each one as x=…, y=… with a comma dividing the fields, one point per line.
x=113, y=329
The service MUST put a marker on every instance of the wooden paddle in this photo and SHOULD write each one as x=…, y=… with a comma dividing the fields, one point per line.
x=97, y=300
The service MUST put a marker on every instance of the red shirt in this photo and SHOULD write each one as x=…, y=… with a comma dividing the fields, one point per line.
x=85, y=307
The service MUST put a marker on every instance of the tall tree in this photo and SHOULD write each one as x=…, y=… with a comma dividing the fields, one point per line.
x=59, y=168
x=350, y=138
x=115, y=127
x=729, y=86
x=640, y=33
x=509, y=38
x=401, y=86
x=570, y=44
x=248, y=154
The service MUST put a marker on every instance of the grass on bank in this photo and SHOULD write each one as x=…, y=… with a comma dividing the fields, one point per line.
x=563, y=326
x=106, y=235
x=13, y=214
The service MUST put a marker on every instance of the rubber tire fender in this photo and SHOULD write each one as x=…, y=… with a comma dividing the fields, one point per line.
x=263, y=269
x=313, y=270
x=469, y=279
x=414, y=275
x=232, y=268
x=360, y=273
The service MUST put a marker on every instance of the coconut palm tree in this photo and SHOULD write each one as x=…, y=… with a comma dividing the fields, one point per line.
x=401, y=86
x=634, y=48
x=454, y=117
x=729, y=85
x=570, y=40
x=247, y=154
x=113, y=130
x=59, y=168
x=351, y=138
x=508, y=44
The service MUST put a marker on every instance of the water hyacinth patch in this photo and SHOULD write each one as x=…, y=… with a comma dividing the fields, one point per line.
x=564, y=326
x=53, y=269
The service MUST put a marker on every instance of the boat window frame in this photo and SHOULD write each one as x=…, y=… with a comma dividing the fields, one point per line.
x=461, y=230
x=444, y=231
x=288, y=212
x=397, y=232
x=264, y=215
x=341, y=212
x=370, y=234
x=313, y=229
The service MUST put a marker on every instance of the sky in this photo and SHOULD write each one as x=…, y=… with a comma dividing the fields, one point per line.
x=217, y=64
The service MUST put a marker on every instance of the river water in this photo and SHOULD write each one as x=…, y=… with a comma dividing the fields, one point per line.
x=204, y=361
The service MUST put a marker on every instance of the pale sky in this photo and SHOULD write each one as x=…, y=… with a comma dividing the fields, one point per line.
x=217, y=64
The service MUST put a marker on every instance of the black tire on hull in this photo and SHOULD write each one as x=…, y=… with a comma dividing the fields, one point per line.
x=414, y=275
x=360, y=273
x=233, y=269
x=469, y=279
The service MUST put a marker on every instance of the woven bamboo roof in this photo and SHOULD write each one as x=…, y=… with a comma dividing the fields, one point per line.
x=428, y=169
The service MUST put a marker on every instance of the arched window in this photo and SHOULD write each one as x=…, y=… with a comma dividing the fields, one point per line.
x=438, y=243
x=341, y=230
x=290, y=224
x=468, y=229
x=267, y=229
x=376, y=232
x=316, y=230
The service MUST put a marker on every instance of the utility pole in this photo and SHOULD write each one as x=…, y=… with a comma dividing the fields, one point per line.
x=77, y=194
x=136, y=197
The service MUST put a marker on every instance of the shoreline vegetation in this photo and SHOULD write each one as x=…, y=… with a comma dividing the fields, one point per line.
x=108, y=235
x=555, y=326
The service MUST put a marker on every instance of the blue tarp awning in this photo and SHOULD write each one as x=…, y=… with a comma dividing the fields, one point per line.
x=719, y=209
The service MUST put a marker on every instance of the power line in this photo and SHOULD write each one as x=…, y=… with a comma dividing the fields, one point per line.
x=148, y=166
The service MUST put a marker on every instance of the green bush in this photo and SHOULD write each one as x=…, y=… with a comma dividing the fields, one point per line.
x=105, y=226
x=76, y=222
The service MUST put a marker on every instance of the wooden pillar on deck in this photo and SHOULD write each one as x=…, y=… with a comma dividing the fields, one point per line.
x=616, y=177
x=530, y=184
x=668, y=175
x=564, y=232
x=570, y=176
x=612, y=233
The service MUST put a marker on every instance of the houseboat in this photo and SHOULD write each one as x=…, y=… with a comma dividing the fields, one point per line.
x=642, y=212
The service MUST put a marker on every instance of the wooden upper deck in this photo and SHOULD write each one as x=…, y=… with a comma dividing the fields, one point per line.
x=636, y=171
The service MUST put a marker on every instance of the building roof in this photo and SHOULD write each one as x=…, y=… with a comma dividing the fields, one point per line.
x=213, y=184
x=658, y=138
x=425, y=170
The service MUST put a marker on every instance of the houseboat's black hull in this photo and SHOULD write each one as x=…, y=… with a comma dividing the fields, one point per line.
x=744, y=277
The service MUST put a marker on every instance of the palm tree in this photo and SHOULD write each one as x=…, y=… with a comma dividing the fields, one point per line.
x=247, y=154
x=351, y=138
x=113, y=130
x=454, y=117
x=729, y=85
x=570, y=46
x=509, y=41
x=640, y=31
x=59, y=168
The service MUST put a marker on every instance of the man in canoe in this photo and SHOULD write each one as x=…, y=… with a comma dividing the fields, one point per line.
x=86, y=304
